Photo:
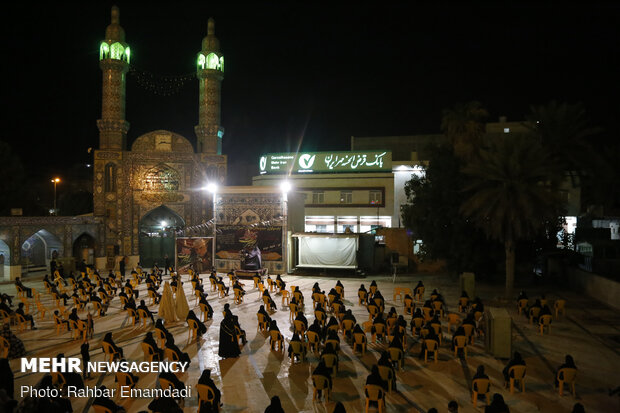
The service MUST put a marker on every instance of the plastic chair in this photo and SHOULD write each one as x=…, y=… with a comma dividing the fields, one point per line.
x=193, y=330
x=320, y=383
x=205, y=311
x=376, y=394
x=313, y=341
x=453, y=320
x=347, y=326
x=58, y=380
x=567, y=375
x=262, y=322
x=379, y=332
x=300, y=328
x=522, y=305
x=463, y=304
x=171, y=355
x=143, y=316
x=238, y=296
x=292, y=311
x=297, y=349
x=545, y=321
x=60, y=324
x=534, y=312
x=101, y=409
x=331, y=362
x=149, y=352
x=431, y=346
x=361, y=295
x=560, y=306
x=206, y=395
x=340, y=290
x=276, y=340
x=409, y=306
x=109, y=351
x=419, y=294
x=387, y=375
x=4, y=348
x=480, y=386
x=438, y=307
x=469, y=332
x=460, y=342
x=437, y=328
x=397, y=357
x=360, y=341
x=517, y=373
x=161, y=336
x=373, y=310
x=124, y=379
x=427, y=313
x=21, y=322
x=321, y=316
x=335, y=344
x=133, y=315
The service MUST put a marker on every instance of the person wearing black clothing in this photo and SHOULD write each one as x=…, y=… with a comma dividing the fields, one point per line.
x=516, y=360
x=151, y=288
x=296, y=338
x=229, y=345
x=166, y=264
x=64, y=296
x=460, y=331
x=108, y=339
x=205, y=378
x=201, y=327
x=430, y=336
x=301, y=317
x=274, y=326
x=7, y=382
x=148, y=339
x=375, y=378
x=384, y=360
x=51, y=404
x=316, y=328
x=134, y=379
x=57, y=313
x=131, y=303
x=220, y=281
x=72, y=378
x=19, y=284
x=322, y=370
x=272, y=304
x=275, y=406
x=159, y=324
x=377, y=320
x=85, y=352
x=568, y=363
x=316, y=288
x=261, y=310
x=203, y=300
x=239, y=331
x=73, y=316
x=107, y=403
x=480, y=374
x=27, y=317
x=143, y=306
x=131, y=290
x=94, y=298
x=282, y=283
x=165, y=404
x=497, y=405
x=184, y=357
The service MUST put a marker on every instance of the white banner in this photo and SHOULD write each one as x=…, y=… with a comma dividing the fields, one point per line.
x=326, y=252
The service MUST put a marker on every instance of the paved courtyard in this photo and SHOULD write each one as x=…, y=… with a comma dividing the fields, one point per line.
x=590, y=332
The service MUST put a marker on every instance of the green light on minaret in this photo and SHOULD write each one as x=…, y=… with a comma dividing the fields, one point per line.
x=127, y=53
x=104, y=51
x=212, y=61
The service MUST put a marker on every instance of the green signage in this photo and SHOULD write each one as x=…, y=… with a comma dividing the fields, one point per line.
x=326, y=162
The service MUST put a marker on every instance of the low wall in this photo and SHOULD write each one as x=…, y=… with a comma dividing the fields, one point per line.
x=600, y=288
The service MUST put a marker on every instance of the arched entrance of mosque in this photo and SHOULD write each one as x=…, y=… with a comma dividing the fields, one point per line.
x=38, y=249
x=5, y=259
x=84, y=249
x=157, y=236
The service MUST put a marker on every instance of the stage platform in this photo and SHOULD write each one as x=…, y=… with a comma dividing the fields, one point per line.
x=249, y=274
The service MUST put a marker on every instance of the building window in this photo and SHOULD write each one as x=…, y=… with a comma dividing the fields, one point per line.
x=110, y=178
x=346, y=197
x=375, y=197
x=318, y=197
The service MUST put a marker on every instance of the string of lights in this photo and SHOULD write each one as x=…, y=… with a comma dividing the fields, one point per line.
x=163, y=85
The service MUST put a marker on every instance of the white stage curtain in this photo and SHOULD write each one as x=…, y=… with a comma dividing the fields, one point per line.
x=327, y=252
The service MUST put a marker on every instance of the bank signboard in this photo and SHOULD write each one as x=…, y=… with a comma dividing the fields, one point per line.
x=325, y=162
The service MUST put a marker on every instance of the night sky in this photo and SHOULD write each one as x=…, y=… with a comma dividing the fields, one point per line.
x=314, y=73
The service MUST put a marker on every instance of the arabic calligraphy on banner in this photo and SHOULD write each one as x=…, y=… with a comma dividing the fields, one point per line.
x=317, y=162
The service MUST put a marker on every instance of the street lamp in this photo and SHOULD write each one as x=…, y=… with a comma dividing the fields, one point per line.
x=55, y=182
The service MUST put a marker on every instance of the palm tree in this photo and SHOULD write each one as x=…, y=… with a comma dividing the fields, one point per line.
x=512, y=193
x=464, y=125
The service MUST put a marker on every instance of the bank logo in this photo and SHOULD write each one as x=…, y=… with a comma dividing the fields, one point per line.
x=263, y=163
x=306, y=161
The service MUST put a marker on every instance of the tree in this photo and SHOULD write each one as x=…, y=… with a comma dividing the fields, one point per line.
x=432, y=215
x=563, y=130
x=512, y=193
x=464, y=126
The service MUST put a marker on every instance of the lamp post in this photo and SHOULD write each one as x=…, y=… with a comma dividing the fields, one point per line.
x=55, y=182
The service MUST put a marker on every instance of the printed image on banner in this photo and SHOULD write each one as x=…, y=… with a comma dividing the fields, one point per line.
x=194, y=253
x=232, y=239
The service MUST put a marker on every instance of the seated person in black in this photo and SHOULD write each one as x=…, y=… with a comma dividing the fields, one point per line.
x=19, y=284
x=316, y=328
x=480, y=374
x=205, y=378
x=107, y=403
x=149, y=314
x=322, y=370
x=568, y=363
x=184, y=357
x=374, y=378
x=301, y=317
x=430, y=336
x=203, y=301
x=293, y=340
x=516, y=360
x=27, y=317
x=201, y=327
x=272, y=304
x=261, y=310
x=94, y=298
x=460, y=332
x=220, y=282
x=165, y=404
x=61, y=320
x=282, y=283
x=108, y=339
x=134, y=379
x=148, y=339
x=238, y=329
x=384, y=360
